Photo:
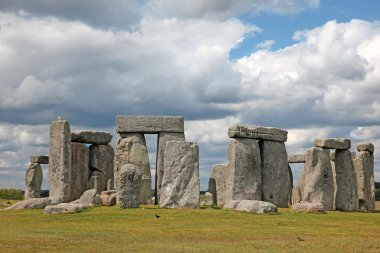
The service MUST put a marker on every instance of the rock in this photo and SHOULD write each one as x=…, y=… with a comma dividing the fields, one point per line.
x=334, y=179
x=63, y=208
x=244, y=178
x=309, y=207
x=208, y=199
x=79, y=169
x=277, y=185
x=91, y=137
x=333, y=143
x=149, y=124
x=131, y=148
x=60, y=160
x=364, y=168
x=101, y=160
x=256, y=206
x=95, y=181
x=110, y=185
x=90, y=198
x=180, y=184
x=296, y=195
x=346, y=198
x=33, y=181
x=128, y=190
x=231, y=204
x=163, y=138
x=316, y=184
x=37, y=203
x=108, y=198
x=258, y=132
x=41, y=159
x=212, y=190
x=219, y=175
x=296, y=158
x=365, y=147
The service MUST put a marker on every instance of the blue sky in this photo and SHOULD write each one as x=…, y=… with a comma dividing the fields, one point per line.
x=311, y=67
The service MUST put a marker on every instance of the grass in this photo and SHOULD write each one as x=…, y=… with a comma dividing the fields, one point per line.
x=111, y=229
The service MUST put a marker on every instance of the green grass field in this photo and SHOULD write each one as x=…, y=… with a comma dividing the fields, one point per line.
x=111, y=229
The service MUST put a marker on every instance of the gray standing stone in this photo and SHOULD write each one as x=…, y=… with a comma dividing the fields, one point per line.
x=101, y=160
x=41, y=159
x=219, y=175
x=163, y=138
x=96, y=181
x=364, y=168
x=346, y=198
x=128, y=190
x=212, y=190
x=180, y=184
x=277, y=185
x=110, y=185
x=91, y=137
x=256, y=206
x=332, y=162
x=33, y=181
x=149, y=124
x=244, y=178
x=258, y=132
x=296, y=195
x=333, y=143
x=131, y=148
x=317, y=184
x=60, y=160
x=79, y=169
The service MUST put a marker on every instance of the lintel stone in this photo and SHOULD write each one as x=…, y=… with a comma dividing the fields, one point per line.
x=333, y=143
x=258, y=132
x=91, y=137
x=296, y=158
x=365, y=147
x=41, y=159
x=149, y=124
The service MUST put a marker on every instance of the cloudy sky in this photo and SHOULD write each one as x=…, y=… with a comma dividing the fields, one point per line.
x=311, y=67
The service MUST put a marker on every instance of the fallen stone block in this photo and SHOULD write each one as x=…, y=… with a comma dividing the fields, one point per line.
x=333, y=143
x=258, y=132
x=90, y=198
x=41, y=159
x=296, y=158
x=308, y=207
x=149, y=124
x=108, y=198
x=37, y=203
x=64, y=208
x=91, y=137
x=256, y=206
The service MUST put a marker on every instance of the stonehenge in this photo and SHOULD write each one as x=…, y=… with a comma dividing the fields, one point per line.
x=33, y=180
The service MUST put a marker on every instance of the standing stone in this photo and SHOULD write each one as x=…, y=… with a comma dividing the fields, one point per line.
x=219, y=175
x=244, y=179
x=94, y=183
x=163, y=138
x=346, y=192
x=131, y=148
x=79, y=169
x=317, y=184
x=129, y=186
x=332, y=162
x=364, y=168
x=296, y=195
x=101, y=160
x=110, y=185
x=33, y=181
x=212, y=190
x=60, y=160
x=277, y=185
x=180, y=184
x=209, y=199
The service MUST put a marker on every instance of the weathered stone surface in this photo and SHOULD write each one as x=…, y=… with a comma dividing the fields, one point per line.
x=63, y=208
x=131, y=148
x=333, y=143
x=364, y=168
x=208, y=199
x=91, y=137
x=334, y=179
x=231, y=204
x=149, y=124
x=296, y=195
x=365, y=147
x=163, y=138
x=346, y=198
x=316, y=184
x=95, y=181
x=219, y=175
x=309, y=207
x=296, y=158
x=256, y=206
x=244, y=178
x=79, y=169
x=41, y=159
x=258, y=132
x=37, y=203
x=33, y=181
x=110, y=185
x=212, y=190
x=180, y=184
x=129, y=187
x=101, y=160
x=108, y=198
x=90, y=198
x=60, y=160
x=277, y=185
x=332, y=155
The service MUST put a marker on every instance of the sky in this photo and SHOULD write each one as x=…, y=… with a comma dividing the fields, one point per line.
x=311, y=67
